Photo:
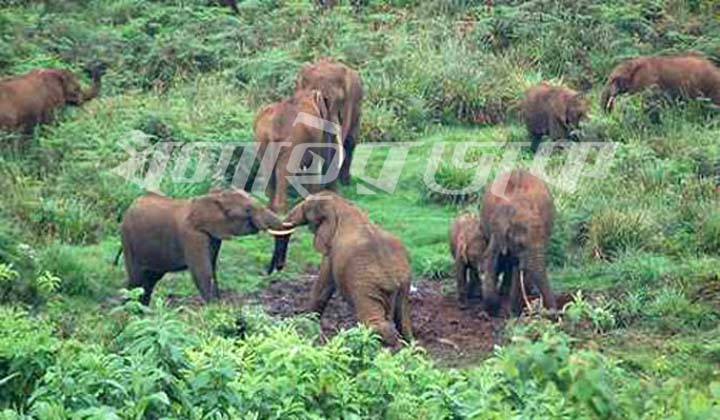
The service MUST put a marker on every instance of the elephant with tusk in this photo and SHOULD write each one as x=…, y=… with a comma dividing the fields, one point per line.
x=303, y=120
x=344, y=90
x=162, y=235
x=681, y=76
x=517, y=218
x=368, y=265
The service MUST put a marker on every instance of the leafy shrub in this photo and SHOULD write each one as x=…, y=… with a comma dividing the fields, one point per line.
x=457, y=185
x=708, y=233
x=611, y=232
x=27, y=350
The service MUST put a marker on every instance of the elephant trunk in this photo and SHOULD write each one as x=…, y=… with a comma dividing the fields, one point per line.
x=534, y=267
x=266, y=219
x=607, y=100
x=331, y=135
x=491, y=300
x=96, y=74
x=282, y=232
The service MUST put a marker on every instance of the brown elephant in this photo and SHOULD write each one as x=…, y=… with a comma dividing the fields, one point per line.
x=286, y=121
x=163, y=235
x=517, y=219
x=683, y=76
x=343, y=86
x=467, y=247
x=554, y=111
x=30, y=99
x=367, y=264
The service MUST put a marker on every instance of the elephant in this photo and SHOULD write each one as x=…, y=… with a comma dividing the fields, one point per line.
x=343, y=86
x=467, y=246
x=368, y=265
x=552, y=110
x=163, y=235
x=278, y=123
x=681, y=76
x=30, y=99
x=517, y=218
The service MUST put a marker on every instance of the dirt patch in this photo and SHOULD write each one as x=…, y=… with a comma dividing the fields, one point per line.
x=439, y=325
x=455, y=336
x=451, y=335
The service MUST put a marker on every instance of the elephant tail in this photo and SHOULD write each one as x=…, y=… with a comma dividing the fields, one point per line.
x=117, y=256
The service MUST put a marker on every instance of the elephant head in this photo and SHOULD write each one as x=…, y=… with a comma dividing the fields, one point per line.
x=626, y=77
x=224, y=214
x=516, y=235
x=72, y=91
x=321, y=212
x=577, y=109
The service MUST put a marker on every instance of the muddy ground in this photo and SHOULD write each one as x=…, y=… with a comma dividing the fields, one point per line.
x=451, y=335
x=448, y=333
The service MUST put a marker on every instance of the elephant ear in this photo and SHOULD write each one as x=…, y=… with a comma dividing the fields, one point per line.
x=576, y=108
x=559, y=107
x=209, y=215
x=627, y=79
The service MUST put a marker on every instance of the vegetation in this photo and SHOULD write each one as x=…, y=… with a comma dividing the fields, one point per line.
x=638, y=247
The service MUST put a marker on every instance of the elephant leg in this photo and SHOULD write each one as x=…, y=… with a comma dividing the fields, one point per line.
x=375, y=315
x=349, y=146
x=199, y=262
x=149, y=280
x=473, y=283
x=507, y=276
x=547, y=295
x=279, y=201
x=535, y=140
x=403, y=323
x=461, y=271
x=491, y=301
x=270, y=190
x=135, y=276
x=322, y=289
x=516, y=299
x=214, y=252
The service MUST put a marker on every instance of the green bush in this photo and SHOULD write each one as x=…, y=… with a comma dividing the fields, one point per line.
x=611, y=232
x=27, y=350
x=708, y=233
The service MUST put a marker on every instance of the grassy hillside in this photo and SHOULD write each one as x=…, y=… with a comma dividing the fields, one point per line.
x=639, y=248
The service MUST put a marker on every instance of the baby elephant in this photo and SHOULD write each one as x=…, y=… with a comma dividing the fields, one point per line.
x=467, y=246
x=554, y=111
x=162, y=235
x=368, y=265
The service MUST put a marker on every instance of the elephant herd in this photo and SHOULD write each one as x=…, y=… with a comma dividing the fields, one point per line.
x=500, y=251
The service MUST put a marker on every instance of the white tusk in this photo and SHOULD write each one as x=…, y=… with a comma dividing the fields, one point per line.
x=341, y=149
x=611, y=103
x=522, y=289
x=274, y=232
x=288, y=225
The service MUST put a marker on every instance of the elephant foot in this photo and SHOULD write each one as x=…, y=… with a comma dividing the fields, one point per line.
x=463, y=304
